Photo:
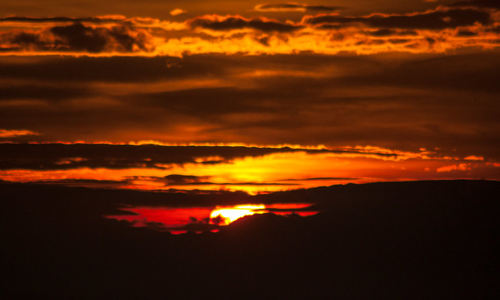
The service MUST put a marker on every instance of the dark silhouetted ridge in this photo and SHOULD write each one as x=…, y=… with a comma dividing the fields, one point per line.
x=408, y=240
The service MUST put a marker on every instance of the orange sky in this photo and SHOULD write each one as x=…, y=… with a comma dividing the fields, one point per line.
x=417, y=80
x=232, y=168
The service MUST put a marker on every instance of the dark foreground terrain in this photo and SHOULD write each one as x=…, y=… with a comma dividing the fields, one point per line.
x=410, y=240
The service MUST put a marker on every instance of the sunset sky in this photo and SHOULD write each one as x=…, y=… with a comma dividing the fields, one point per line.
x=248, y=95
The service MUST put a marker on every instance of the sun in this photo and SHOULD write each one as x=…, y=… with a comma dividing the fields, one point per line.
x=226, y=215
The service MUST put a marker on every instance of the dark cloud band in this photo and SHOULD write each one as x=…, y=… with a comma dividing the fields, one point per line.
x=296, y=7
x=435, y=20
x=77, y=38
x=95, y=20
x=232, y=23
x=72, y=156
x=478, y=3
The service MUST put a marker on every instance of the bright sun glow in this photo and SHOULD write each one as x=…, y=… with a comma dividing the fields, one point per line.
x=177, y=219
x=227, y=215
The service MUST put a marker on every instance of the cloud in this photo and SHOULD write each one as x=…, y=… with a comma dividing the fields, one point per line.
x=73, y=156
x=459, y=167
x=431, y=101
x=476, y=158
x=391, y=32
x=478, y=3
x=84, y=70
x=425, y=32
x=77, y=37
x=40, y=92
x=59, y=156
x=466, y=33
x=320, y=179
x=237, y=22
x=435, y=20
x=90, y=183
x=177, y=12
x=495, y=29
x=175, y=179
x=445, y=72
x=285, y=7
x=95, y=20
x=12, y=133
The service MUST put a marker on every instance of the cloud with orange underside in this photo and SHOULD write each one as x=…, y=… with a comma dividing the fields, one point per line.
x=433, y=31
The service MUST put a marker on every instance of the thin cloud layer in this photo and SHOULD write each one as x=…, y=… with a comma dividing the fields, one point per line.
x=177, y=11
x=285, y=7
x=65, y=156
x=12, y=21
x=478, y=3
x=232, y=23
x=9, y=133
x=176, y=180
x=432, y=20
x=73, y=156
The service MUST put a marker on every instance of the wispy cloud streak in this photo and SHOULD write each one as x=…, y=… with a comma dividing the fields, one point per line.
x=286, y=7
x=10, y=133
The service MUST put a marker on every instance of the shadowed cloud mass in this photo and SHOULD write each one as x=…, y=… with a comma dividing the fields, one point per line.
x=430, y=101
x=75, y=38
x=231, y=23
x=435, y=20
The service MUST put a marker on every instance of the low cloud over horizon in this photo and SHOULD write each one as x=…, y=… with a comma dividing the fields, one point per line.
x=232, y=168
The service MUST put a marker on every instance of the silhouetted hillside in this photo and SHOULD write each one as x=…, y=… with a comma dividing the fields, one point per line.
x=408, y=240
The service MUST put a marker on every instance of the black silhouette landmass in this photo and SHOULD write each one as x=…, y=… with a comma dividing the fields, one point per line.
x=406, y=240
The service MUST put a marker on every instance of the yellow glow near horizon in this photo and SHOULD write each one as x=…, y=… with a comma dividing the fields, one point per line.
x=267, y=173
x=231, y=214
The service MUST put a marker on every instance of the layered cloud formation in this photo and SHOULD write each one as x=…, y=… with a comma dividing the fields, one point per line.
x=209, y=168
x=396, y=102
x=405, y=93
x=322, y=30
